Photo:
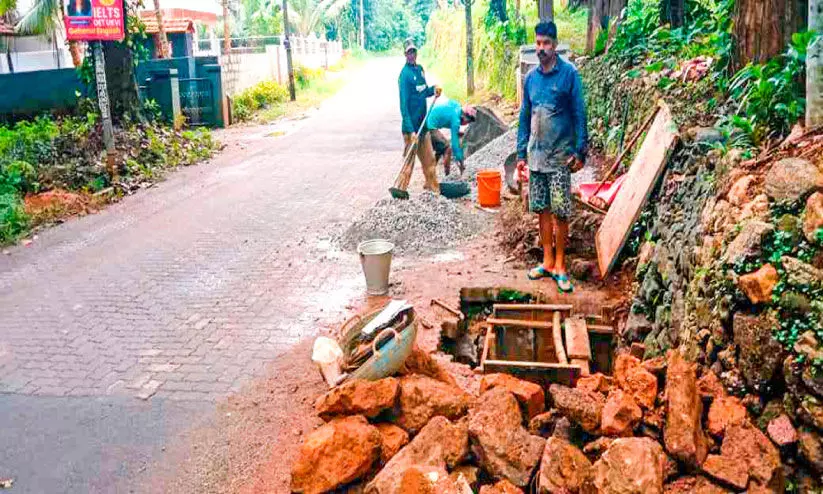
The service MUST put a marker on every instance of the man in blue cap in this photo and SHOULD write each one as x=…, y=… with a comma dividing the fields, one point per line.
x=413, y=93
x=551, y=145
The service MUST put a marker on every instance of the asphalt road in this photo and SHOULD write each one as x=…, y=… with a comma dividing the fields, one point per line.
x=184, y=292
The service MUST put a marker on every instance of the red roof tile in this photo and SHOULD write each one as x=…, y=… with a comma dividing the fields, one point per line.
x=171, y=25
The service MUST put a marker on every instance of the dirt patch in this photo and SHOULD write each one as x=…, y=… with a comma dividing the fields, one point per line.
x=58, y=205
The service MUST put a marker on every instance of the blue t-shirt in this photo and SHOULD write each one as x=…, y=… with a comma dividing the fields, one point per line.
x=446, y=114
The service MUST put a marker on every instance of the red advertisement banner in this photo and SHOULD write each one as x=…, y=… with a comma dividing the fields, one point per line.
x=94, y=20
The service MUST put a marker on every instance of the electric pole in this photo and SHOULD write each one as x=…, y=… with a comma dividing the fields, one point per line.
x=287, y=45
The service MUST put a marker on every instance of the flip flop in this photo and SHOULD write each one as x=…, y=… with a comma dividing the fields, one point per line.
x=539, y=272
x=564, y=285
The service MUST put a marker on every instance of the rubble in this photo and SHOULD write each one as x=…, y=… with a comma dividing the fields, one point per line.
x=336, y=454
x=781, y=431
x=359, y=397
x=422, y=398
x=760, y=354
x=630, y=466
x=747, y=243
x=421, y=225
x=620, y=414
x=725, y=412
x=543, y=425
x=529, y=395
x=683, y=432
x=563, y=469
x=813, y=216
x=440, y=444
x=759, y=285
x=581, y=407
x=810, y=445
x=502, y=487
x=503, y=447
x=710, y=387
x=636, y=380
x=792, y=179
x=744, y=445
x=392, y=440
x=595, y=383
x=694, y=485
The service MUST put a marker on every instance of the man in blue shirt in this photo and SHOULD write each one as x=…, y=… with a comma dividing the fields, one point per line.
x=448, y=114
x=413, y=93
x=551, y=144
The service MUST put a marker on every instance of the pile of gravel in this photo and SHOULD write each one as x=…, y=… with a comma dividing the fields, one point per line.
x=492, y=155
x=423, y=224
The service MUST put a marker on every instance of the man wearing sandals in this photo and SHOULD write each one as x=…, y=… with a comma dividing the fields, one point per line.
x=551, y=145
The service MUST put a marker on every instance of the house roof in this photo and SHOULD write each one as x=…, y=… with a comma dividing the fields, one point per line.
x=6, y=29
x=171, y=25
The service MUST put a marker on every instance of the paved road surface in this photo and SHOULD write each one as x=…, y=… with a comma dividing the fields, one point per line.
x=182, y=293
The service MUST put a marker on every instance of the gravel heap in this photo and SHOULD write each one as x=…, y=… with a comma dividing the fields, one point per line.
x=423, y=224
x=492, y=155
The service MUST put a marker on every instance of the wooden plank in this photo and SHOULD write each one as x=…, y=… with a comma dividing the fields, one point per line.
x=577, y=339
x=519, y=323
x=486, y=347
x=557, y=334
x=536, y=365
x=583, y=364
x=600, y=329
x=548, y=307
x=643, y=174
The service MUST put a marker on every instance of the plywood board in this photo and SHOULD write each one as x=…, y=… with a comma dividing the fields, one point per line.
x=643, y=174
x=577, y=339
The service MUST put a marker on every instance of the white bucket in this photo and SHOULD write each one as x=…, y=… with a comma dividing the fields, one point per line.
x=375, y=257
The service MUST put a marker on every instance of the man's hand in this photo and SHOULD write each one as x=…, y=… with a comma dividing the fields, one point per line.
x=522, y=172
x=438, y=91
x=575, y=164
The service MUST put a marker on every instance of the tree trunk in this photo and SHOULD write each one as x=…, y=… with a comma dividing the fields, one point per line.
x=226, y=31
x=165, y=49
x=672, y=12
x=76, y=51
x=763, y=28
x=598, y=20
x=469, y=50
x=122, y=83
x=545, y=10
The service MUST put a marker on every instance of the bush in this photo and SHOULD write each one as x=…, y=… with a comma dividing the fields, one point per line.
x=261, y=95
x=303, y=76
x=13, y=220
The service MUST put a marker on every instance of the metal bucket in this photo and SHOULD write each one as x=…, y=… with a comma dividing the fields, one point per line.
x=375, y=257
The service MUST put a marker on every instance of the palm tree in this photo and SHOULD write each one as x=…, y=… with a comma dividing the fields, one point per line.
x=165, y=49
x=46, y=18
x=308, y=14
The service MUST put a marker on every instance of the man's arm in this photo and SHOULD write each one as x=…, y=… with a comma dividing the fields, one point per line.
x=407, y=128
x=581, y=133
x=524, y=130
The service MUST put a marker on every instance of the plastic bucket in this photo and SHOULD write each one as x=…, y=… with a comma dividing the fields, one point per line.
x=488, y=188
x=375, y=257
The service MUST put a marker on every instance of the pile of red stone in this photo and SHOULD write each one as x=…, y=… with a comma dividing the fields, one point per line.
x=643, y=430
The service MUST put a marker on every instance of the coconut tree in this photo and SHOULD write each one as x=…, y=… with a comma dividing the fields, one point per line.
x=45, y=17
x=165, y=50
x=306, y=15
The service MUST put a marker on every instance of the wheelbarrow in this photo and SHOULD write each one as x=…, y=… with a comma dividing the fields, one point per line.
x=389, y=349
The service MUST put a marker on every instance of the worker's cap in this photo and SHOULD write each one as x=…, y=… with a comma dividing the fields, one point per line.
x=469, y=112
x=409, y=45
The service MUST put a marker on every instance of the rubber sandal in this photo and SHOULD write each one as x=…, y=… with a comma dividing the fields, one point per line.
x=538, y=273
x=564, y=284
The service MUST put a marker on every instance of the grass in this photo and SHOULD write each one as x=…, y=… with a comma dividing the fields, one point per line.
x=318, y=90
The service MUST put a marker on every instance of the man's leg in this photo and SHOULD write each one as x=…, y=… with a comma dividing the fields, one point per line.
x=561, y=231
x=426, y=154
x=547, y=240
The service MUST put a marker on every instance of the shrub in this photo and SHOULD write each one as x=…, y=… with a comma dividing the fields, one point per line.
x=261, y=95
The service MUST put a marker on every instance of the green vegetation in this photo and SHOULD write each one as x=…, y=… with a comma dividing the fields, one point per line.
x=67, y=153
x=496, y=45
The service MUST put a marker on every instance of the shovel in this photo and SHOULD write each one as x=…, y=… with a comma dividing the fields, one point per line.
x=401, y=183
